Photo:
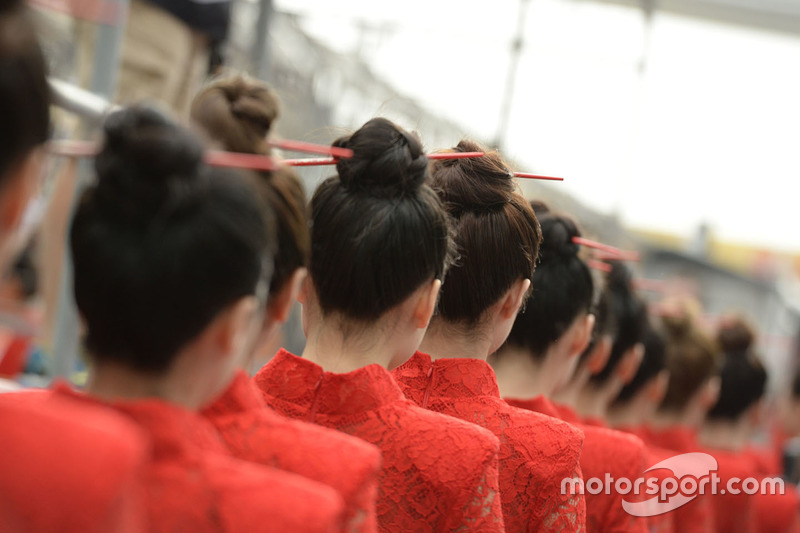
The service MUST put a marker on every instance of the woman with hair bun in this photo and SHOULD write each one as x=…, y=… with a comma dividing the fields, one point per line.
x=541, y=352
x=49, y=444
x=615, y=354
x=172, y=264
x=238, y=113
x=727, y=430
x=497, y=237
x=379, y=251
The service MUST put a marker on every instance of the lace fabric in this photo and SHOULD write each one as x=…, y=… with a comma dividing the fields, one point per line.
x=254, y=432
x=438, y=474
x=192, y=484
x=733, y=512
x=69, y=467
x=778, y=513
x=605, y=451
x=537, y=452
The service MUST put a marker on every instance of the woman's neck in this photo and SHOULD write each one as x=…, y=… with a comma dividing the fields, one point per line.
x=631, y=413
x=341, y=349
x=725, y=435
x=519, y=375
x=593, y=400
x=114, y=382
x=449, y=341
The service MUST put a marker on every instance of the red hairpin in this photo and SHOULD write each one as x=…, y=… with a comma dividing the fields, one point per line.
x=536, y=176
x=212, y=157
x=597, y=245
x=455, y=155
x=300, y=146
x=309, y=162
x=599, y=265
x=621, y=255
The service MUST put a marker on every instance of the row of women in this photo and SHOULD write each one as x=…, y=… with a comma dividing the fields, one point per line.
x=459, y=368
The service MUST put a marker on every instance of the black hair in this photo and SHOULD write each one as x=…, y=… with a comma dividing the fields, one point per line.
x=24, y=92
x=562, y=286
x=378, y=230
x=161, y=243
x=653, y=362
x=496, y=232
x=743, y=378
x=629, y=316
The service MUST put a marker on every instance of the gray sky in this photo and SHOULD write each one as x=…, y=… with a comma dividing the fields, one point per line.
x=710, y=133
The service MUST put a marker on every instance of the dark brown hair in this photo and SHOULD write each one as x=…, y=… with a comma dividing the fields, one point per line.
x=743, y=378
x=691, y=359
x=24, y=93
x=496, y=232
x=238, y=113
x=161, y=243
x=379, y=231
x=562, y=286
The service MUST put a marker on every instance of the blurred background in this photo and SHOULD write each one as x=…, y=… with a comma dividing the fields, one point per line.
x=675, y=123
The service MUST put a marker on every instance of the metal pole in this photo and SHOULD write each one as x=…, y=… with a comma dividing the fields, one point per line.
x=511, y=79
x=262, y=59
x=66, y=341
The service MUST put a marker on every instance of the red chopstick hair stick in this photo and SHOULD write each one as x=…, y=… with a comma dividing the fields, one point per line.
x=623, y=255
x=332, y=161
x=300, y=146
x=310, y=162
x=211, y=157
x=599, y=265
x=597, y=246
x=455, y=155
x=536, y=176
x=217, y=158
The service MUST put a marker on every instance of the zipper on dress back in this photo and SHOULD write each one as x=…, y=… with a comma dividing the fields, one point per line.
x=313, y=411
x=428, y=388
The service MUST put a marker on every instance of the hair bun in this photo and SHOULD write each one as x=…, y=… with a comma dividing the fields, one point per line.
x=475, y=185
x=237, y=111
x=557, y=233
x=735, y=335
x=387, y=161
x=144, y=158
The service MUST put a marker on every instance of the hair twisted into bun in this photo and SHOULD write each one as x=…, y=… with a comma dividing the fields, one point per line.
x=161, y=243
x=387, y=161
x=378, y=231
x=238, y=113
x=562, y=286
x=497, y=234
x=691, y=358
x=743, y=376
x=629, y=317
x=146, y=161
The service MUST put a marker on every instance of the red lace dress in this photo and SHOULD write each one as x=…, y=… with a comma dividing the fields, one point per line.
x=192, y=484
x=605, y=451
x=254, y=432
x=438, y=474
x=68, y=467
x=537, y=452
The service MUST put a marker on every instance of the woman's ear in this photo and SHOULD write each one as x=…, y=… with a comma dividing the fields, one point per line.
x=514, y=298
x=657, y=388
x=598, y=359
x=583, y=337
x=305, y=286
x=709, y=393
x=234, y=328
x=426, y=304
x=280, y=304
x=629, y=364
